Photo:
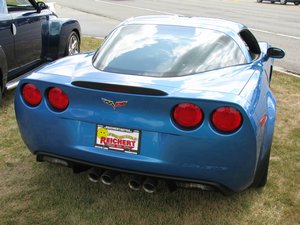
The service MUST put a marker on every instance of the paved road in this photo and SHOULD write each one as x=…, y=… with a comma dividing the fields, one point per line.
x=275, y=23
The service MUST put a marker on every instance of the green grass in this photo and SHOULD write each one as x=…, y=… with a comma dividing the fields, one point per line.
x=90, y=43
x=40, y=193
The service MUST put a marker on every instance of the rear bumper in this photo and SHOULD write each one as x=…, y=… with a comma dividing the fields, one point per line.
x=177, y=181
x=227, y=161
x=227, y=165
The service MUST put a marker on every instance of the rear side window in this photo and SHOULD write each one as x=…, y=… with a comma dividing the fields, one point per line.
x=166, y=51
x=250, y=43
x=15, y=5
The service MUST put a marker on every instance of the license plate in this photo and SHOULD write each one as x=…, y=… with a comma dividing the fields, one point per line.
x=118, y=139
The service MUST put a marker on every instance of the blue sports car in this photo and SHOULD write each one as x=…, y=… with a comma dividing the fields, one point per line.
x=186, y=100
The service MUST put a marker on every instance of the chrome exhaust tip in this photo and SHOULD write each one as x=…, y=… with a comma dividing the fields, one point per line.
x=108, y=176
x=94, y=174
x=150, y=185
x=135, y=183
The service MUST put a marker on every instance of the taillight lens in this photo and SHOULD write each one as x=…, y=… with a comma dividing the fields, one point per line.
x=226, y=119
x=187, y=115
x=58, y=99
x=31, y=95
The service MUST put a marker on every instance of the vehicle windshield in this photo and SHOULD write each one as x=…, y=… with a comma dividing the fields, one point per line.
x=166, y=51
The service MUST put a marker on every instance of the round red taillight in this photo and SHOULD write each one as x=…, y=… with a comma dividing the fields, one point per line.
x=226, y=119
x=187, y=115
x=58, y=99
x=31, y=94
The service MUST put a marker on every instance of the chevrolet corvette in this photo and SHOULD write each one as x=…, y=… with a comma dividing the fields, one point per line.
x=185, y=100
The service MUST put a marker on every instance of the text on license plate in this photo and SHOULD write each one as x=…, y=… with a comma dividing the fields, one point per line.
x=119, y=139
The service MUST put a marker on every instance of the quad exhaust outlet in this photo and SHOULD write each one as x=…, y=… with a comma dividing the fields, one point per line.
x=138, y=182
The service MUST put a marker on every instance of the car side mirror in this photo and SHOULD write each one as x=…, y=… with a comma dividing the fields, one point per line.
x=40, y=6
x=276, y=53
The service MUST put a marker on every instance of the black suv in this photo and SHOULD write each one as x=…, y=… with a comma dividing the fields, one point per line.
x=282, y=2
x=31, y=34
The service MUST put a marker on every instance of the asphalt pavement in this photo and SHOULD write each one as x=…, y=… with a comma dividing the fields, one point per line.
x=277, y=24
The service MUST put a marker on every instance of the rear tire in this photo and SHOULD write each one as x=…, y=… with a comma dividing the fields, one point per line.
x=283, y=2
x=73, y=44
x=272, y=2
x=296, y=3
x=259, y=1
x=261, y=175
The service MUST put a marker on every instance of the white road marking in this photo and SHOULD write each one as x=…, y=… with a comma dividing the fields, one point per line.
x=158, y=11
x=135, y=7
x=164, y=12
x=277, y=34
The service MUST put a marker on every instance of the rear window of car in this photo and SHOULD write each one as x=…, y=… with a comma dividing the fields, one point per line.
x=166, y=51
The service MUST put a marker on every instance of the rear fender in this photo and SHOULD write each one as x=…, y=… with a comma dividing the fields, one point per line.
x=261, y=108
x=269, y=126
x=265, y=114
x=58, y=32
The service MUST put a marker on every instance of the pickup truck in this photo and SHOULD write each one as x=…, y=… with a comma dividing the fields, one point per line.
x=31, y=34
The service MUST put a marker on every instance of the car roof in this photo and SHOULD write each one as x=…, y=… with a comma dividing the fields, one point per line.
x=176, y=20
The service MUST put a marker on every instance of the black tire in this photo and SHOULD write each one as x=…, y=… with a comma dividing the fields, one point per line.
x=73, y=44
x=261, y=175
x=296, y=3
x=259, y=1
x=272, y=2
x=283, y=2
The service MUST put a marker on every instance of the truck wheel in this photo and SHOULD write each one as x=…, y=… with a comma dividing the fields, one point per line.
x=259, y=1
x=272, y=2
x=296, y=3
x=283, y=2
x=73, y=44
